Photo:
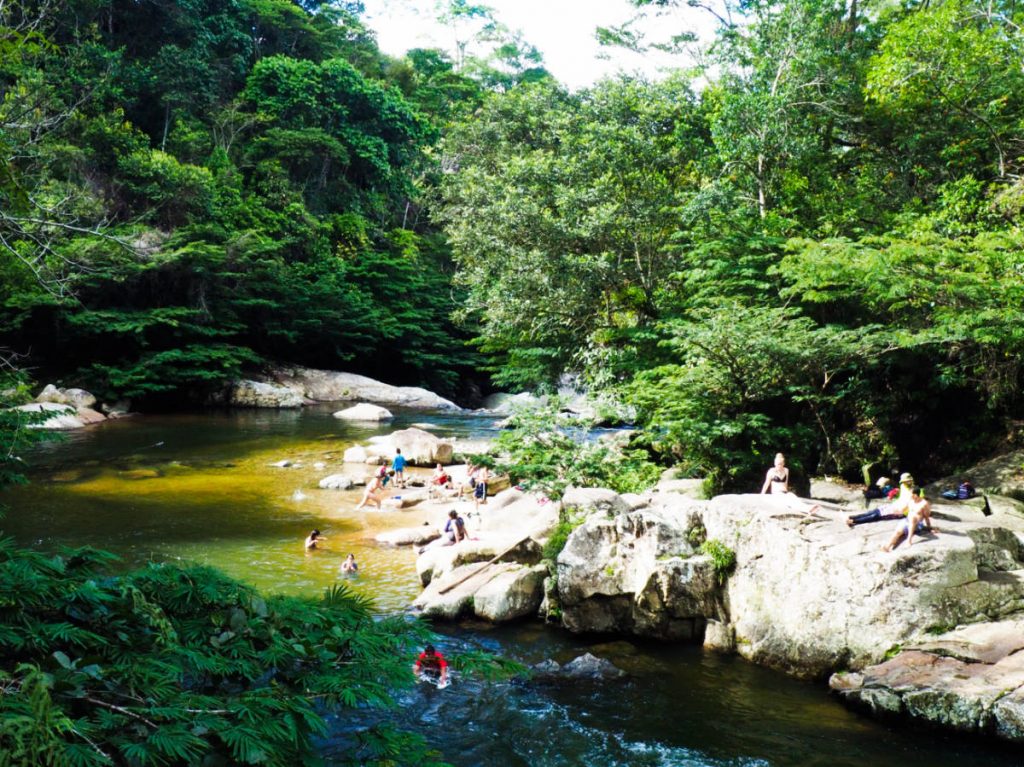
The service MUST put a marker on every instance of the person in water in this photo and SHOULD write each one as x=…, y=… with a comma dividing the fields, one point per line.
x=373, y=490
x=349, y=565
x=431, y=665
x=777, y=478
x=313, y=540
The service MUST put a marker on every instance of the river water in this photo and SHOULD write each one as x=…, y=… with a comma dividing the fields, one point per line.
x=199, y=487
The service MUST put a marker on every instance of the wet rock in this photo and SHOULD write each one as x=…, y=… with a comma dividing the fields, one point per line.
x=336, y=482
x=589, y=666
x=281, y=464
x=584, y=667
x=364, y=412
x=502, y=402
x=89, y=416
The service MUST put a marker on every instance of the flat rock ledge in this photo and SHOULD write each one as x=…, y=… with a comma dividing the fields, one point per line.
x=970, y=680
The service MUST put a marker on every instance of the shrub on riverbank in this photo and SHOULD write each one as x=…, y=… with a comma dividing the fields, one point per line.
x=181, y=665
x=544, y=449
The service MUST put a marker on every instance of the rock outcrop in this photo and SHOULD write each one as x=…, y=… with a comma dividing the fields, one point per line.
x=332, y=386
x=970, y=679
x=261, y=394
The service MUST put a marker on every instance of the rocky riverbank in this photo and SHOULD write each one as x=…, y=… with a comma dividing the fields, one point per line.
x=932, y=631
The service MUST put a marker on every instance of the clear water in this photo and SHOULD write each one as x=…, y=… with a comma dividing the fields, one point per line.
x=199, y=487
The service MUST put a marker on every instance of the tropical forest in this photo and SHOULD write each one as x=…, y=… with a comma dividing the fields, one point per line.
x=803, y=236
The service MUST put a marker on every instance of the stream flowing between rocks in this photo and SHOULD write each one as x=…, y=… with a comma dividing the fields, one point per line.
x=200, y=487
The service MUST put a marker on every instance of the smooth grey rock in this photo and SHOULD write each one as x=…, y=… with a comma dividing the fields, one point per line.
x=260, y=394
x=355, y=454
x=409, y=536
x=364, y=411
x=589, y=666
x=337, y=482
x=513, y=594
x=333, y=386
x=59, y=417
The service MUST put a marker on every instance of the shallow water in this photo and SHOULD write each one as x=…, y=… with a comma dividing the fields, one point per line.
x=199, y=487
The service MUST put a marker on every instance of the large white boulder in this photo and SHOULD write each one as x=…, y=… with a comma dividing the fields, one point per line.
x=420, y=448
x=59, y=417
x=337, y=482
x=512, y=594
x=332, y=386
x=364, y=411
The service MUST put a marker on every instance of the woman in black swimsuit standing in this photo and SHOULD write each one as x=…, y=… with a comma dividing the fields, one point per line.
x=777, y=478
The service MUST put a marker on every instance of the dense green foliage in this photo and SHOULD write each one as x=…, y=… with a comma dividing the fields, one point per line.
x=808, y=243
x=173, y=665
x=190, y=190
x=547, y=450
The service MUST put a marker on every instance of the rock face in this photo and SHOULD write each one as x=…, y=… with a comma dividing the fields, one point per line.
x=502, y=592
x=261, y=394
x=970, y=679
x=364, y=412
x=330, y=386
x=807, y=594
x=636, y=573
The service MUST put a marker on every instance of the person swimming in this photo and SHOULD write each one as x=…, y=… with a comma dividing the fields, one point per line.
x=349, y=565
x=314, y=539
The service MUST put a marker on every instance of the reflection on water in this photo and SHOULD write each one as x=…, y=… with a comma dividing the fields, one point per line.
x=200, y=487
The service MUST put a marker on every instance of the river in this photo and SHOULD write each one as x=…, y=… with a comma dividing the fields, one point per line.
x=200, y=487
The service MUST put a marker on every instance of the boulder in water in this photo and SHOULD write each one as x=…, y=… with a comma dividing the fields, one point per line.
x=364, y=411
x=337, y=482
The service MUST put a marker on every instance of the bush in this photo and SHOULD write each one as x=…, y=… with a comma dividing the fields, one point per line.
x=549, y=451
x=181, y=665
x=723, y=559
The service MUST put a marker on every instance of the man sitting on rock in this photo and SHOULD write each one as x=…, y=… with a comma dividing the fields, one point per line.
x=919, y=519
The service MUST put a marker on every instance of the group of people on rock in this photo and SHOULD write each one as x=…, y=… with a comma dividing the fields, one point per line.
x=906, y=503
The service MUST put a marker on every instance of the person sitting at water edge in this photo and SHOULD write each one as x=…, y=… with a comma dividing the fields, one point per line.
x=776, y=481
x=431, y=665
x=313, y=539
x=349, y=565
x=398, y=467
